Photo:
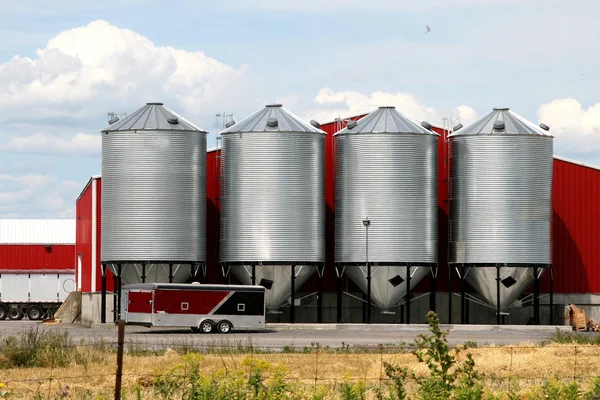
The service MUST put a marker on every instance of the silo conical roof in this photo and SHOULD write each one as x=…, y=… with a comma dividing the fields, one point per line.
x=386, y=120
x=273, y=118
x=153, y=117
x=501, y=121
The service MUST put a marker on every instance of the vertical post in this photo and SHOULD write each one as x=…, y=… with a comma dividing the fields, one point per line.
x=253, y=277
x=366, y=223
x=170, y=273
x=120, y=342
x=467, y=311
x=293, y=295
x=119, y=292
x=536, y=296
x=364, y=308
x=433, y=288
x=115, y=294
x=144, y=273
x=551, y=297
x=497, y=294
x=462, y=296
x=449, y=294
x=339, y=298
x=103, y=295
x=408, y=293
x=320, y=296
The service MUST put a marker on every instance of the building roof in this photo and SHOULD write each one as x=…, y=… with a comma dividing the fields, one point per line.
x=385, y=120
x=153, y=117
x=273, y=118
x=37, y=231
x=501, y=121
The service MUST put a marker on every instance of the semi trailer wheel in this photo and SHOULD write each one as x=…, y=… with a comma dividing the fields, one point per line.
x=3, y=313
x=15, y=314
x=224, y=327
x=35, y=313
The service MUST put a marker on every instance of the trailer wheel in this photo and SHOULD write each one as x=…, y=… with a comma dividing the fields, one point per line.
x=224, y=327
x=206, y=327
x=15, y=314
x=35, y=313
x=3, y=313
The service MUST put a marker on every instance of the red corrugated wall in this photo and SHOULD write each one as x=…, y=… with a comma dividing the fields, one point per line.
x=36, y=257
x=83, y=210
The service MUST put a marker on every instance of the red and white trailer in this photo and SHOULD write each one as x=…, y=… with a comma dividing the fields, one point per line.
x=204, y=308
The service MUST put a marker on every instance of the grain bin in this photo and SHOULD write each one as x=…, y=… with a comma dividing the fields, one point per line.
x=273, y=201
x=386, y=174
x=500, y=204
x=153, y=196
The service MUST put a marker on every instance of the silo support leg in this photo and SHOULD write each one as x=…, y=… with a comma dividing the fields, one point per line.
x=253, y=277
x=143, y=273
x=449, y=294
x=293, y=295
x=497, y=295
x=536, y=296
x=463, y=315
x=368, y=304
x=119, y=292
x=170, y=273
x=433, y=288
x=320, y=271
x=115, y=294
x=103, y=295
x=408, y=294
x=551, y=297
x=339, y=299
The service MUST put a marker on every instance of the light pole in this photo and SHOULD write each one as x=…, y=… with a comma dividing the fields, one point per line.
x=366, y=223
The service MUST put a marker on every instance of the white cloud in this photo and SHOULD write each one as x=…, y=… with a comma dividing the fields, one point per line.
x=576, y=129
x=90, y=70
x=37, y=196
x=346, y=103
x=80, y=144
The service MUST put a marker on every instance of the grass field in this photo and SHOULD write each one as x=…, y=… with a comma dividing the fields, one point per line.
x=49, y=366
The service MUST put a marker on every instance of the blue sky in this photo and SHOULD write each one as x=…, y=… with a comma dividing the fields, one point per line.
x=64, y=66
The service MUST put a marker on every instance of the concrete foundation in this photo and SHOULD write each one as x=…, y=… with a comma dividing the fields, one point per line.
x=91, y=308
x=70, y=311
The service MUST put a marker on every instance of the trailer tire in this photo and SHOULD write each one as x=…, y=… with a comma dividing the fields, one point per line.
x=35, y=313
x=15, y=314
x=206, y=327
x=3, y=313
x=224, y=327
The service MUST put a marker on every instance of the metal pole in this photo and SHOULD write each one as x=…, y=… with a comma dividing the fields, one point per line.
x=368, y=274
x=339, y=299
x=497, y=294
x=449, y=294
x=293, y=295
x=433, y=289
x=551, y=297
x=253, y=277
x=103, y=296
x=115, y=285
x=462, y=296
x=144, y=273
x=408, y=293
x=119, y=292
x=170, y=273
x=320, y=296
x=536, y=296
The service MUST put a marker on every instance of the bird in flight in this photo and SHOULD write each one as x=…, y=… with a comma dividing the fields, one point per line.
x=427, y=29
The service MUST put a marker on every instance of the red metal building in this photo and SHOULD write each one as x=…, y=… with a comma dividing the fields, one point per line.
x=88, y=273
x=37, y=245
x=576, y=224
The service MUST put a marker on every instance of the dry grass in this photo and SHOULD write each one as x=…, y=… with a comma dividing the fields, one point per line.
x=501, y=366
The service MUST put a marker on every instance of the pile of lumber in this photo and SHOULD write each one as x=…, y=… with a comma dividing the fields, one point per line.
x=579, y=321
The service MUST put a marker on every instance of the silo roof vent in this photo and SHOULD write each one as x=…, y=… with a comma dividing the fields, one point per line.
x=272, y=122
x=544, y=127
x=499, y=125
x=315, y=123
x=426, y=125
x=230, y=124
x=351, y=125
x=457, y=127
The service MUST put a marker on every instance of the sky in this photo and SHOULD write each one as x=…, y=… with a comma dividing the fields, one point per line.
x=65, y=64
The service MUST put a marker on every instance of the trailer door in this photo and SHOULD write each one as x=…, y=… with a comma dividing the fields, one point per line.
x=139, y=306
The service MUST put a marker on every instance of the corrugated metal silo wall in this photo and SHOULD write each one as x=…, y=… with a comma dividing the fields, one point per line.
x=575, y=230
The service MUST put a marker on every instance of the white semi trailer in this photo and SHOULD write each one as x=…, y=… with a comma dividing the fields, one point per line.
x=32, y=293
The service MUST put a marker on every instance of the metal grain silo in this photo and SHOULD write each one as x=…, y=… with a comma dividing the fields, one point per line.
x=153, y=196
x=500, y=204
x=386, y=174
x=273, y=201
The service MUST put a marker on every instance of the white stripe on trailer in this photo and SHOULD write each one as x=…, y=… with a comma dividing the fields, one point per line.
x=221, y=303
